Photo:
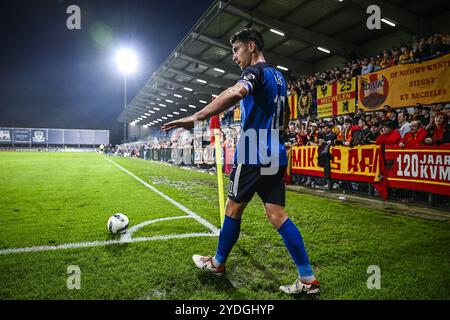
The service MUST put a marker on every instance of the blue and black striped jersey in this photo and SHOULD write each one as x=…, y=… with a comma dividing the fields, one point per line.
x=262, y=114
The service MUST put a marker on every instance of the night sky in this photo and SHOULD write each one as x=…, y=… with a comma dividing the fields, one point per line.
x=52, y=77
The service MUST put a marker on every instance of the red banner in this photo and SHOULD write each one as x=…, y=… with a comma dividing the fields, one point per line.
x=419, y=168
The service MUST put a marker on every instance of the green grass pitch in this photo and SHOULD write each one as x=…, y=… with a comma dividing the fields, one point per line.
x=51, y=199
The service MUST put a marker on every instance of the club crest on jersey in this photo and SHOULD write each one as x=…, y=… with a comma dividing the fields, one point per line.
x=249, y=77
x=279, y=79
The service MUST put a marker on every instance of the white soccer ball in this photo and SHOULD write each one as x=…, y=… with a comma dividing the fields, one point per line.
x=118, y=223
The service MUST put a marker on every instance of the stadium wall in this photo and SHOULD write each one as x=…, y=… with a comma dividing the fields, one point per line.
x=23, y=137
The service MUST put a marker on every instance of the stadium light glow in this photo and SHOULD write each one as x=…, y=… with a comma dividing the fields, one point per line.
x=323, y=50
x=177, y=95
x=219, y=70
x=126, y=60
x=277, y=32
x=283, y=68
x=188, y=89
x=201, y=81
x=388, y=22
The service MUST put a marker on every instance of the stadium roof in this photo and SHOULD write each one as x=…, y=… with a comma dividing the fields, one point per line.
x=201, y=64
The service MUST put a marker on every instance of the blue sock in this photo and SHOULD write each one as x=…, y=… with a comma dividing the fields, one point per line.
x=294, y=243
x=227, y=238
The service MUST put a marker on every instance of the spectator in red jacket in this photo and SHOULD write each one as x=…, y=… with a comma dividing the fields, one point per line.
x=390, y=135
x=416, y=136
x=439, y=131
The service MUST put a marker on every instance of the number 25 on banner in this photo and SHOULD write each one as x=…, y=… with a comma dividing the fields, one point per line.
x=345, y=84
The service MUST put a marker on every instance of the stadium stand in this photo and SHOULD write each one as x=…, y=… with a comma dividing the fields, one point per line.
x=201, y=66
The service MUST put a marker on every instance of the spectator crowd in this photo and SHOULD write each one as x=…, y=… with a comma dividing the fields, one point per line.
x=419, y=49
x=420, y=125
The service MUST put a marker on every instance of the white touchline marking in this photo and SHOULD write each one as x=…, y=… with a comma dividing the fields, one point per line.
x=103, y=243
x=175, y=203
x=127, y=235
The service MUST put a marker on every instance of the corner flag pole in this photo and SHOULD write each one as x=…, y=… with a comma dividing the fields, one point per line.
x=215, y=125
x=219, y=174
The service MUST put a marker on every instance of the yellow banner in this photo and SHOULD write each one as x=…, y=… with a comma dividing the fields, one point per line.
x=361, y=160
x=304, y=158
x=337, y=98
x=360, y=163
x=405, y=85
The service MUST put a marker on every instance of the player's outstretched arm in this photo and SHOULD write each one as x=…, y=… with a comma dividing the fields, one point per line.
x=225, y=100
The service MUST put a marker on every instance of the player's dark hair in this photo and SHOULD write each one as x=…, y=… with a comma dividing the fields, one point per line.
x=247, y=35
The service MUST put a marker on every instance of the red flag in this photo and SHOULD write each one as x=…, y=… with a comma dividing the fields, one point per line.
x=214, y=123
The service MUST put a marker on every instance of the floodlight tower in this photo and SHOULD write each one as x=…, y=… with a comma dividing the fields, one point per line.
x=127, y=63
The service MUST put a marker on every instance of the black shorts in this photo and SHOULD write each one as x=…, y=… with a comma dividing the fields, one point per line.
x=245, y=180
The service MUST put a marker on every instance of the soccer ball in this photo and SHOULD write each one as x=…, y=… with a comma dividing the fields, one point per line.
x=118, y=223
